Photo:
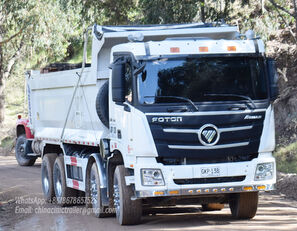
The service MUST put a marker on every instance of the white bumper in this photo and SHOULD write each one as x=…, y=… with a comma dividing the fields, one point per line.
x=228, y=171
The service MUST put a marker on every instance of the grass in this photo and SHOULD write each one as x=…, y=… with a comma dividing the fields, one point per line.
x=7, y=142
x=14, y=105
x=286, y=158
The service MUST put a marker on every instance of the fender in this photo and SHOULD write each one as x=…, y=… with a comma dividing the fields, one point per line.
x=22, y=126
x=102, y=177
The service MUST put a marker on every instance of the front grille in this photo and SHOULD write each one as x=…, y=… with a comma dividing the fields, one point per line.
x=209, y=180
x=238, y=137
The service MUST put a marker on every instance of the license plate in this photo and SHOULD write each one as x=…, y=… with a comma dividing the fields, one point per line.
x=210, y=172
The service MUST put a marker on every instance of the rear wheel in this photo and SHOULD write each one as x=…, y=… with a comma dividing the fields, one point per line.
x=22, y=147
x=212, y=207
x=244, y=205
x=128, y=212
x=93, y=193
x=64, y=195
x=47, y=176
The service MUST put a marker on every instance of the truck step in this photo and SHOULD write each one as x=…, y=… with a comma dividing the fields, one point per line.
x=33, y=154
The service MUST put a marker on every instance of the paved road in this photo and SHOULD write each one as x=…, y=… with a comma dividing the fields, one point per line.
x=274, y=212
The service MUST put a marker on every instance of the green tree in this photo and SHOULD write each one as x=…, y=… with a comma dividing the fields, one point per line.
x=108, y=12
x=31, y=32
x=164, y=11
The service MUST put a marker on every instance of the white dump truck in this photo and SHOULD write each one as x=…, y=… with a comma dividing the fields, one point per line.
x=163, y=115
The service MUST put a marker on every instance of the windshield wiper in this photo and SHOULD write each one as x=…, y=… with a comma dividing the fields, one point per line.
x=235, y=95
x=176, y=97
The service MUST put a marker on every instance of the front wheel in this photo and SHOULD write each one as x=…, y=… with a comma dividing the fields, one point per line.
x=128, y=212
x=22, y=147
x=244, y=205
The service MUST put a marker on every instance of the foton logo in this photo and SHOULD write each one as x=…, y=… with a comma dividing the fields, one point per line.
x=166, y=119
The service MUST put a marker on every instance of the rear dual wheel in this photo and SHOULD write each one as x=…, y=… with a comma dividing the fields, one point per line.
x=47, y=176
x=64, y=195
x=54, y=181
x=93, y=194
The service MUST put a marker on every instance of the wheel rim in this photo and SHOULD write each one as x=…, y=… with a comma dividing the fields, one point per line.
x=58, y=182
x=21, y=149
x=116, y=196
x=93, y=189
x=45, y=181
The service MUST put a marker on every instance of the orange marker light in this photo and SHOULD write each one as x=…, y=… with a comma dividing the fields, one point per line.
x=247, y=188
x=261, y=187
x=158, y=193
x=173, y=192
x=203, y=49
x=231, y=48
x=174, y=49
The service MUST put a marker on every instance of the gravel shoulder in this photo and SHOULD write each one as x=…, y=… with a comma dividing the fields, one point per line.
x=22, y=208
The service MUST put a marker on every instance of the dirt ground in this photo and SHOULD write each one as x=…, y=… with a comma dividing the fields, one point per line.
x=22, y=208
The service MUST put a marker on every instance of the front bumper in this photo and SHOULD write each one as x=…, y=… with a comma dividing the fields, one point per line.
x=174, y=172
x=198, y=191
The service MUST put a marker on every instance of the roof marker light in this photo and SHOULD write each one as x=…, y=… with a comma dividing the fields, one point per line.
x=203, y=49
x=231, y=48
x=174, y=49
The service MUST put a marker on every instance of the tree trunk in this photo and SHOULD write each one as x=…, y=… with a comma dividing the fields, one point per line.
x=2, y=99
x=263, y=6
x=295, y=13
x=2, y=86
x=202, y=4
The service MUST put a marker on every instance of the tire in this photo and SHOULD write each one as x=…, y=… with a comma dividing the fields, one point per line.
x=212, y=207
x=93, y=195
x=64, y=195
x=128, y=212
x=22, y=147
x=244, y=205
x=102, y=104
x=47, y=176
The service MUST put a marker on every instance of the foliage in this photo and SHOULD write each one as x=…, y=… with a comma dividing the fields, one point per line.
x=111, y=12
x=163, y=11
x=286, y=158
x=35, y=32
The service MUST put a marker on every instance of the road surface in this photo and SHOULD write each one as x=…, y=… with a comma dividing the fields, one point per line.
x=22, y=208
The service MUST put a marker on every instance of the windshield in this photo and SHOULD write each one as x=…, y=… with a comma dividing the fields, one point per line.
x=198, y=78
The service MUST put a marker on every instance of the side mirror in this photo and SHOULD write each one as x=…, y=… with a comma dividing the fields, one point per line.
x=273, y=77
x=118, y=82
x=139, y=69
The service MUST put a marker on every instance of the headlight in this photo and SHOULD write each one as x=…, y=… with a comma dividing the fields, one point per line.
x=264, y=171
x=152, y=177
